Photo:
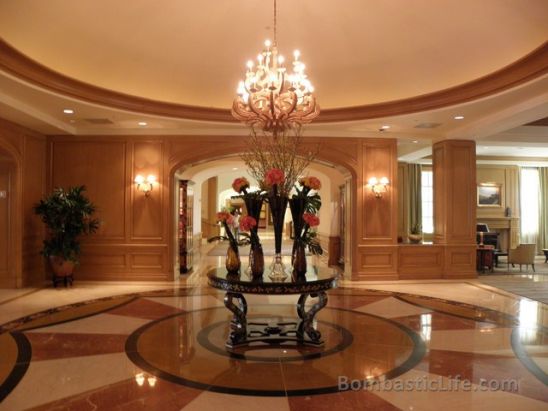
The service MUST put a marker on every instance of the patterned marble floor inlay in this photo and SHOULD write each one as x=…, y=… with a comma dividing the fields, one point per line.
x=165, y=350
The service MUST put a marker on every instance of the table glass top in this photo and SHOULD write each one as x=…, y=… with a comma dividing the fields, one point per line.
x=313, y=275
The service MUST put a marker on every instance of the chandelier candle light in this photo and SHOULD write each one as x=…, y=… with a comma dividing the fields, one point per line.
x=271, y=98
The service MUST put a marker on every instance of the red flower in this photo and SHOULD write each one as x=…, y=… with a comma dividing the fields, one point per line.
x=240, y=184
x=225, y=217
x=274, y=176
x=247, y=223
x=312, y=183
x=311, y=219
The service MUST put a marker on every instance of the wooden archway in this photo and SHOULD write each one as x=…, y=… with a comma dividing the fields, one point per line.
x=336, y=151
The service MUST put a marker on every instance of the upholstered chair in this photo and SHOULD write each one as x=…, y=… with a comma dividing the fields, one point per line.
x=524, y=254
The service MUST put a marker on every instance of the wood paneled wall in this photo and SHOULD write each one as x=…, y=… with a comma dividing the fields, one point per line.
x=136, y=237
x=26, y=151
x=132, y=241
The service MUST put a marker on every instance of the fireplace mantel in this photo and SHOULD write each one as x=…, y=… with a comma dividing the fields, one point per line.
x=507, y=226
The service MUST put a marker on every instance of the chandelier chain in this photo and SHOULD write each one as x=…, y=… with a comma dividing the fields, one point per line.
x=275, y=21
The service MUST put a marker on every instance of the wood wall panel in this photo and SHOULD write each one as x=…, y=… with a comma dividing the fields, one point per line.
x=379, y=214
x=101, y=167
x=34, y=183
x=420, y=261
x=148, y=159
x=377, y=263
x=25, y=149
x=6, y=174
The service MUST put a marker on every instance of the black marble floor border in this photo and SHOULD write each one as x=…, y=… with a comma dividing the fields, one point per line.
x=24, y=354
x=524, y=358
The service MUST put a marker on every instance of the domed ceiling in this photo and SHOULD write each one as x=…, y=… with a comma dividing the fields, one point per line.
x=357, y=52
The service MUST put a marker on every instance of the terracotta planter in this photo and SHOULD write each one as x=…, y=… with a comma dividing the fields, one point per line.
x=60, y=266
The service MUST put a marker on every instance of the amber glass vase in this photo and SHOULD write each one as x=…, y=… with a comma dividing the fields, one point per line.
x=256, y=261
x=232, y=262
x=299, y=259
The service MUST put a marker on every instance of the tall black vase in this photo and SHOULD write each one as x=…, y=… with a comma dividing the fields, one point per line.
x=297, y=206
x=254, y=206
x=278, y=205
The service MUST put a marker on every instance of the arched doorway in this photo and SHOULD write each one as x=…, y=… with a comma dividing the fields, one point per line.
x=10, y=218
x=199, y=175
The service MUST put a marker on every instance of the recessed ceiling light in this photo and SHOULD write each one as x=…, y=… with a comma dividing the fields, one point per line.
x=234, y=168
x=415, y=141
x=68, y=111
x=142, y=123
x=385, y=127
x=458, y=117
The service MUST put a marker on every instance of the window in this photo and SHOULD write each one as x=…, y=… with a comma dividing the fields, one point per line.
x=427, y=196
x=529, y=201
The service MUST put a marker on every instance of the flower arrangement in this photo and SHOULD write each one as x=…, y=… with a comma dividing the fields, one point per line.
x=311, y=220
x=227, y=221
x=274, y=177
x=308, y=237
x=248, y=223
x=310, y=183
x=240, y=185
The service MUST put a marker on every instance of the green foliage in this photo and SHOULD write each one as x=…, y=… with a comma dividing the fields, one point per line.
x=67, y=215
x=313, y=204
x=311, y=241
x=416, y=229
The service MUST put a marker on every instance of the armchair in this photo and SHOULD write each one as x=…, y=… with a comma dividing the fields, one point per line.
x=524, y=254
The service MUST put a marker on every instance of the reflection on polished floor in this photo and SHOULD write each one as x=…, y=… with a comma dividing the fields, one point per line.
x=407, y=345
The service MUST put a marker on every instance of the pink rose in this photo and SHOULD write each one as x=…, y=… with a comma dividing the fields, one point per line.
x=274, y=176
x=311, y=219
x=225, y=217
x=247, y=223
x=240, y=184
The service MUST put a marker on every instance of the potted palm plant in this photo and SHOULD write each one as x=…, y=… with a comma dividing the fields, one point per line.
x=67, y=215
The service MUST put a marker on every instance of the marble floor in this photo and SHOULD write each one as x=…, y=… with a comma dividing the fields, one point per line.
x=408, y=345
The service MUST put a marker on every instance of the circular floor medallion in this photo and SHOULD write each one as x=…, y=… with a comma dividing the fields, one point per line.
x=359, y=346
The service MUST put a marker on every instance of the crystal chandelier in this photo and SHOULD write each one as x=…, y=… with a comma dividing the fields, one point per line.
x=272, y=99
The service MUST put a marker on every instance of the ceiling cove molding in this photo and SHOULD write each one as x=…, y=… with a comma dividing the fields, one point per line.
x=528, y=68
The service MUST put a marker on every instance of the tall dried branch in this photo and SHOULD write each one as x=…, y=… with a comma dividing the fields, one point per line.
x=283, y=151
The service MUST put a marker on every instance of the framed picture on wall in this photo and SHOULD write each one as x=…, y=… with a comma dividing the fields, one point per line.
x=489, y=195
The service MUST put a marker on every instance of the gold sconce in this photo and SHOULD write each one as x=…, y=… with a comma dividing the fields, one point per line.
x=145, y=185
x=378, y=187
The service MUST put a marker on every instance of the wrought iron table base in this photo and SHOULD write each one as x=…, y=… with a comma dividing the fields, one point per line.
x=301, y=331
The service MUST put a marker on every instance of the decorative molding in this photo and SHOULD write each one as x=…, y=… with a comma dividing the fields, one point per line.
x=529, y=67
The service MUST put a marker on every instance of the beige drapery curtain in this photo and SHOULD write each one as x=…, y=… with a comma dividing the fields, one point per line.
x=414, y=209
x=542, y=239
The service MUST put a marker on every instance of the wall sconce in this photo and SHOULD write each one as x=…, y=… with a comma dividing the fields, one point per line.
x=145, y=185
x=378, y=186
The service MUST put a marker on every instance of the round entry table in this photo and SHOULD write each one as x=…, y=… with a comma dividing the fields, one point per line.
x=243, y=332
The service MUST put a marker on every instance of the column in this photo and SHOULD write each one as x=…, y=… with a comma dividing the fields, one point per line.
x=454, y=165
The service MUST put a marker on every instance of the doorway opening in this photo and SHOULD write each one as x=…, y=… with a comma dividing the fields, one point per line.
x=203, y=189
